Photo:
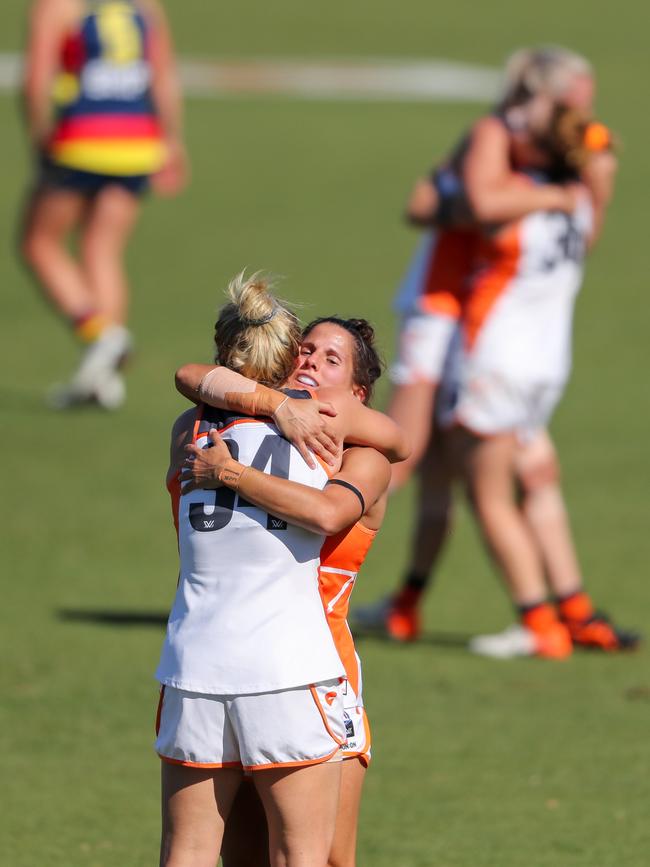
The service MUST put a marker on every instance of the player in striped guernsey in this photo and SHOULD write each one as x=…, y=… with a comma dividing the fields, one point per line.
x=103, y=115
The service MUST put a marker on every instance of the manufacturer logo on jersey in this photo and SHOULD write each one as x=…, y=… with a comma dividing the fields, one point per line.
x=275, y=523
x=208, y=525
x=329, y=697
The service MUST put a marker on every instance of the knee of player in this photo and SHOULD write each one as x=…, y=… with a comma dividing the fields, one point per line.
x=35, y=246
x=539, y=474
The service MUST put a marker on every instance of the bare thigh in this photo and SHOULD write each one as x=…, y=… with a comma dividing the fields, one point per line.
x=106, y=230
x=195, y=805
x=301, y=806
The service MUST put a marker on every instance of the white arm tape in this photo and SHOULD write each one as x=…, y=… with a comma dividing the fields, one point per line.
x=218, y=381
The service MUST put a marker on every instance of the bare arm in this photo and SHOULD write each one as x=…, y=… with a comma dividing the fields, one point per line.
x=167, y=97
x=326, y=511
x=181, y=436
x=423, y=203
x=494, y=192
x=352, y=421
x=48, y=24
x=599, y=176
x=359, y=425
x=302, y=422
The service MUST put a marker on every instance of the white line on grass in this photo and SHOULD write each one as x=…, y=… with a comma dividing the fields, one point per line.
x=363, y=80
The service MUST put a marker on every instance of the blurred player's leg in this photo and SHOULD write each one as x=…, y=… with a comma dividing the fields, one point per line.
x=110, y=221
x=543, y=505
x=51, y=216
x=411, y=406
x=399, y=614
x=489, y=469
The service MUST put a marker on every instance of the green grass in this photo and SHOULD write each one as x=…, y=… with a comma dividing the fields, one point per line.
x=476, y=763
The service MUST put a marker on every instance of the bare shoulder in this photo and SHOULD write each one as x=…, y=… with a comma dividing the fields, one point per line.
x=365, y=459
x=488, y=125
x=56, y=13
x=184, y=422
x=153, y=11
x=181, y=436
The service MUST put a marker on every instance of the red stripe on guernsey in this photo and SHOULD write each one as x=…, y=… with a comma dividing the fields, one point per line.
x=107, y=126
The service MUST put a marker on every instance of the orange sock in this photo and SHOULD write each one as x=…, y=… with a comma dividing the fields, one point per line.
x=577, y=606
x=89, y=326
x=539, y=618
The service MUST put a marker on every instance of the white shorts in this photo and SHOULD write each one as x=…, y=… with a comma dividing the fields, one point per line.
x=286, y=728
x=490, y=403
x=423, y=343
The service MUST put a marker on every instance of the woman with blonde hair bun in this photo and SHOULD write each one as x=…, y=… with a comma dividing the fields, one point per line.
x=251, y=677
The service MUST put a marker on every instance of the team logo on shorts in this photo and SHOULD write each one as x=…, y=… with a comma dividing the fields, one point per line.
x=349, y=725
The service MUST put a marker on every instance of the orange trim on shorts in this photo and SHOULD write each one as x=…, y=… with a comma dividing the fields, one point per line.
x=208, y=765
x=299, y=764
x=329, y=731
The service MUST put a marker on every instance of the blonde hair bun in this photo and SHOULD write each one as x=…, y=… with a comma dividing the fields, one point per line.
x=256, y=334
x=253, y=299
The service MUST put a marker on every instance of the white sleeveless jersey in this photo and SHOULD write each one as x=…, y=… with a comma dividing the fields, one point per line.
x=247, y=616
x=518, y=320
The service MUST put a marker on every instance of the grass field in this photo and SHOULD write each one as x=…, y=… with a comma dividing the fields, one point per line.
x=477, y=764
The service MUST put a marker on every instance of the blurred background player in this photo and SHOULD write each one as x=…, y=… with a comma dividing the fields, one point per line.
x=542, y=122
x=103, y=115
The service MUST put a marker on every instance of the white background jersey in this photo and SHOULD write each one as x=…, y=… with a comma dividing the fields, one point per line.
x=247, y=616
x=526, y=333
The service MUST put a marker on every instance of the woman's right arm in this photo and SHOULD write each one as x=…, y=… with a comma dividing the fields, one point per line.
x=363, y=477
x=48, y=24
x=494, y=192
x=359, y=425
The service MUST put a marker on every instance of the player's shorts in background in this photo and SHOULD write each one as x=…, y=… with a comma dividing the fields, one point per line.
x=289, y=728
x=489, y=403
x=423, y=343
x=55, y=177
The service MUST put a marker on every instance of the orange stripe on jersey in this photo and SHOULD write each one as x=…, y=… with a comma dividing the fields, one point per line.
x=449, y=268
x=498, y=261
x=342, y=556
x=174, y=488
x=198, y=434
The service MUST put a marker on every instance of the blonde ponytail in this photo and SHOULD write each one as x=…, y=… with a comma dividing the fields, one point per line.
x=256, y=334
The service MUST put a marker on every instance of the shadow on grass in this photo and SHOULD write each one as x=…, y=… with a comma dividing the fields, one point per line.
x=108, y=617
x=113, y=618
x=453, y=640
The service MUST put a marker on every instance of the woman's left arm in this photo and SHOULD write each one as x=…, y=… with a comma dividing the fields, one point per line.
x=167, y=97
x=326, y=511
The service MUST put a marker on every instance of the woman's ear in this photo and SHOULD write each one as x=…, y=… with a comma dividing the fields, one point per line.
x=360, y=392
